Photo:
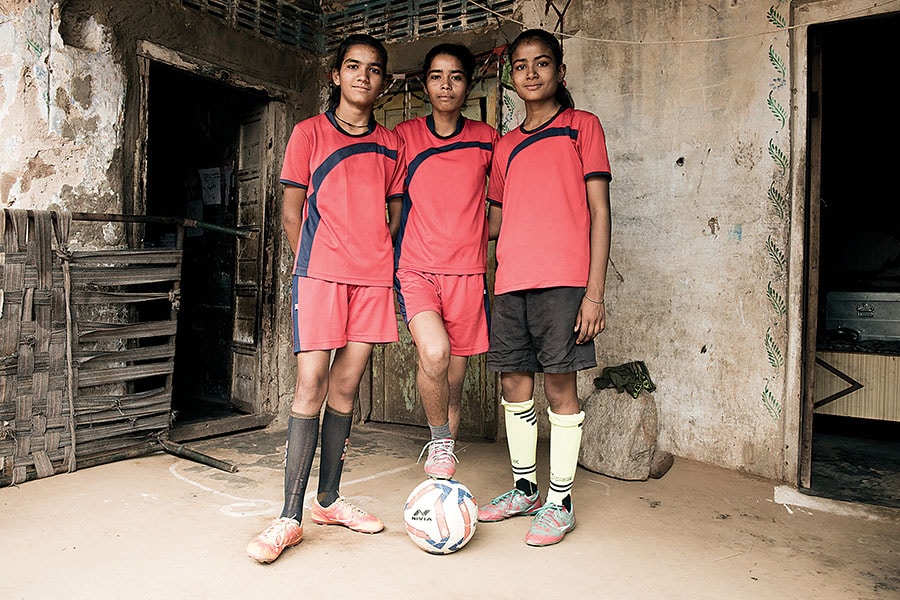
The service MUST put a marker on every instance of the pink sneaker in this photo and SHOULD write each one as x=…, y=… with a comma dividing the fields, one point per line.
x=550, y=525
x=441, y=461
x=268, y=545
x=341, y=512
x=511, y=504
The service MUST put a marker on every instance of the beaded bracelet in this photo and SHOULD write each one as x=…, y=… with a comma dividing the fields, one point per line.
x=589, y=299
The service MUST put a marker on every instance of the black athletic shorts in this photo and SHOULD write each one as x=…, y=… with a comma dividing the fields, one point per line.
x=533, y=331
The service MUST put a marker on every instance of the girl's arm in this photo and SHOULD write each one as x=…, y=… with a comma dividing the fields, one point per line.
x=495, y=218
x=394, y=210
x=591, y=318
x=292, y=214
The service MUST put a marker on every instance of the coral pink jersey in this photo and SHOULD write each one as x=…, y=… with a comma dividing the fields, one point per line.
x=443, y=228
x=538, y=179
x=344, y=236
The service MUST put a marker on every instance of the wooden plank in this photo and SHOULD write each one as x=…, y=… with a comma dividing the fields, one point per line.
x=82, y=297
x=813, y=216
x=107, y=375
x=101, y=402
x=123, y=415
x=131, y=426
x=93, y=331
x=214, y=427
x=105, y=276
x=84, y=258
x=94, y=357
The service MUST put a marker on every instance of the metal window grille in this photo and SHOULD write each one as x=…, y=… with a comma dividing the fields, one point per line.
x=281, y=21
x=306, y=25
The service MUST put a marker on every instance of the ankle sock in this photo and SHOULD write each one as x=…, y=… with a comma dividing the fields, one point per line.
x=441, y=432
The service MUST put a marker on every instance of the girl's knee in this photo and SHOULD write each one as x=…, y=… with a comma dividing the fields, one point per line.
x=434, y=358
x=561, y=389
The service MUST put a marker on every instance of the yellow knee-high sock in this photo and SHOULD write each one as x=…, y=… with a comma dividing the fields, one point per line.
x=521, y=436
x=565, y=442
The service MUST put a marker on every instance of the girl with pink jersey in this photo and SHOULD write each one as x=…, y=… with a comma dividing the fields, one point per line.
x=441, y=248
x=549, y=205
x=340, y=170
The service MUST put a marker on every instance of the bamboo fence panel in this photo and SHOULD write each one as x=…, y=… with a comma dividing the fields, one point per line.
x=87, y=346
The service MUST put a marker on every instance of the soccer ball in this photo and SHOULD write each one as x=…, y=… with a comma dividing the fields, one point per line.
x=440, y=516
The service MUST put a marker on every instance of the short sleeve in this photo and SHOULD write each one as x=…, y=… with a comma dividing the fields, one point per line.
x=497, y=178
x=592, y=147
x=395, y=187
x=297, y=158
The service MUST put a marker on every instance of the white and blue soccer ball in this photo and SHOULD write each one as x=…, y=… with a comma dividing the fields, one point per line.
x=440, y=516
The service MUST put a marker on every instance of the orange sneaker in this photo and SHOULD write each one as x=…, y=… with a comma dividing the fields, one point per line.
x=342, y=512
x=441, y=461
x=283, y=533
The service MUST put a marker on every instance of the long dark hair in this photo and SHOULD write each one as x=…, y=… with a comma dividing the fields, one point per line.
x=356, y=39
x=549, y=40
x=457, y=51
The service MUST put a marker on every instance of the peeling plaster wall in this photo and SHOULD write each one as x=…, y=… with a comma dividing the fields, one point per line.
x=71, y=114
x=61, y=114
x=690, y=129
x=69, y=108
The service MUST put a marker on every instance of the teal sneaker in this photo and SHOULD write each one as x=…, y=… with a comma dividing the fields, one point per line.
x=511, y=504
x=551, y=524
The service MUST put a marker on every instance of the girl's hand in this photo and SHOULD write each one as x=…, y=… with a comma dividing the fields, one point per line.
x=591, y=320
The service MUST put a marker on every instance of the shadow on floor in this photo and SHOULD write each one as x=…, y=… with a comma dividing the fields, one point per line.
x=856, y=461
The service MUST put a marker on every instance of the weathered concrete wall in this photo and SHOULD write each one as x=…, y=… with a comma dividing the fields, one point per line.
x=69, y=101
x=696, y=285
x=704, y=109
x=704, y=105
x=61, y=113
x=72, y=115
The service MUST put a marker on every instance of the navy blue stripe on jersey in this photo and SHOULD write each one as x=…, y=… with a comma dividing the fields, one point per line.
x=295, y=319
x=534, y=138
x=487, y=304
x=292, y=183
x=603, y=174
x=411, y=170
x=311, y=225
x=401, y=301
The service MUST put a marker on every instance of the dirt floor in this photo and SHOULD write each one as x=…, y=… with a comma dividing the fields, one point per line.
x=164, y=527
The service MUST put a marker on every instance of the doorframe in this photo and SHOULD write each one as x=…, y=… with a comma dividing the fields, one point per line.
x=803, y=269
x=276, y=114
x=148, y=52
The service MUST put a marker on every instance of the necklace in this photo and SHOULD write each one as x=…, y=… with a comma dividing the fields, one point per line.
x=336, y=116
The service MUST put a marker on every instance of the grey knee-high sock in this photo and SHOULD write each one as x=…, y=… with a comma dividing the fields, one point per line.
x=302, y=436
x=335, y=441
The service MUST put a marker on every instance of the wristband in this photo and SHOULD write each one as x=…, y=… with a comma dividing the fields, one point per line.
x=589, y=299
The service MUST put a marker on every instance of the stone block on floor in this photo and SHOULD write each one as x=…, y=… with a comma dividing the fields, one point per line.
x=619, y=436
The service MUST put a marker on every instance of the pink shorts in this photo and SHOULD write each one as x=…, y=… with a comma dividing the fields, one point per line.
x=327, y=315
x=460, y=300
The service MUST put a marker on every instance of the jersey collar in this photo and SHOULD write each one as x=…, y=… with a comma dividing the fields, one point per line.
x=429, y=121
x=333, y=120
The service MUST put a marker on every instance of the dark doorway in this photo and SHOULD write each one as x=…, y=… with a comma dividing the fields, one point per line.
x=194, y=127
x=854, y=387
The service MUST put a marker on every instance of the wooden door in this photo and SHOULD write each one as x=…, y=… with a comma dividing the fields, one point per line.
x=246, y=387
